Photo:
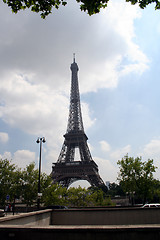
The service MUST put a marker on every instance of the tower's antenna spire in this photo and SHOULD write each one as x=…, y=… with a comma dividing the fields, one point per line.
x=74, y=57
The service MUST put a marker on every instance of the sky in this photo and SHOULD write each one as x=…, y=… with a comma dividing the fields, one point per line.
x=117, y=52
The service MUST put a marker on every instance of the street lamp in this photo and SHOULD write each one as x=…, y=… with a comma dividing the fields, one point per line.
x=40, y=140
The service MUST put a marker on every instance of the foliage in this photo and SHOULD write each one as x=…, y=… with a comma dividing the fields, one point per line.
x=91, y=7
x=23, y=184
x=77, y=197
x=8, y=176
x=99, y=197
x=136, y=177
x=115, y=190
x=54, y=194
x=156, y=191
x=144, y=3
x=29, y=184
x=81, y=197
x=74, y=197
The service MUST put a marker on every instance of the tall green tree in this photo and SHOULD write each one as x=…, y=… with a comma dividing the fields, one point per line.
x=115, y=189
x=29, y=184
x=54, y=194
x=91, y=197
x=30, y=178
x=9, y=175
x=76, y=197
x=156, y=191
x=136, y=177
x=90, y=6
x=23, y=184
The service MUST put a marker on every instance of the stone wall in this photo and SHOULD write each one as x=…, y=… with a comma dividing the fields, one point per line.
x=86, y=224
x=39, y=218
x=80, y=233
x=106, y=216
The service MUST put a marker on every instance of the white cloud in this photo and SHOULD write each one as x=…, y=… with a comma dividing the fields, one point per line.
x=152, y=151
x=121, y=55
x=4, y=137
x=37, y=109
x=105, y=146
x=34, y=98
x=22, y=158
x=88, y=122
x=33, y=108
x=6, y=155
x=108, y=39
x=107, y=171
x=152, y=148
x=35, y=61
x=122, y=14
x=119, y=153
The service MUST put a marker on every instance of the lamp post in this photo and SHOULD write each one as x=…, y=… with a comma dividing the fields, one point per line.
x=39, y=140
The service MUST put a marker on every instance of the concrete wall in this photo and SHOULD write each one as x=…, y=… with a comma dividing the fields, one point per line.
x=79, y=233
x=104, y=216
x=112, y=216
x=35, y=225
x=40, y=218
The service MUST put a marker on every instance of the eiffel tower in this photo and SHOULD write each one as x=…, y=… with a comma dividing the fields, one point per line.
x=67, y=170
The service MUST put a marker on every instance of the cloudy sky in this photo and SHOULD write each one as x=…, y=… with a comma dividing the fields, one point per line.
x=117, y=52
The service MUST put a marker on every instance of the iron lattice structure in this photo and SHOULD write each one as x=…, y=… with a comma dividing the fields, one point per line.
x=67, y=170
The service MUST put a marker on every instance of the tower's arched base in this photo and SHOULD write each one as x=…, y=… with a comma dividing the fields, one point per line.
x=67, y=173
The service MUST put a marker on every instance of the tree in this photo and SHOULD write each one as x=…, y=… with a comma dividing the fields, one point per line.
x=156, y=191
x=23, y=184
x=29, y=184
x=76, y=197
x=115, y=190
x=91, y=197
x=54, y=194
x=8, y=177
x=99, y=197
x=90, y=6
x=136, y=177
